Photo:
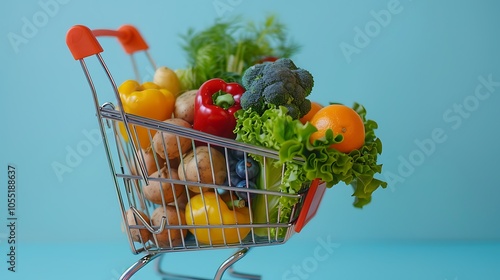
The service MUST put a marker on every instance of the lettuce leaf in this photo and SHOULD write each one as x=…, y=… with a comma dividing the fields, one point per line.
x=300, y=161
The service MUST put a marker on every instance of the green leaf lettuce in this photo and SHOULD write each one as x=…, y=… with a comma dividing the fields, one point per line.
x=300, y=162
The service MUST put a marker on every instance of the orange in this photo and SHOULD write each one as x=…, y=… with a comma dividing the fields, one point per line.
x=342, y=120
x=315, y=107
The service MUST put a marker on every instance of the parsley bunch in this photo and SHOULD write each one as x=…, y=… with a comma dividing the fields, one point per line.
x=225, y=49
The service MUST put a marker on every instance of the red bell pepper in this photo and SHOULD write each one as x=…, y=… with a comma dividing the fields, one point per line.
x=215, y=104
x=267, y=59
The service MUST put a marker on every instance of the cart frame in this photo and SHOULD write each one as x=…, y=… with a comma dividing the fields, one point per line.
x=83, y=44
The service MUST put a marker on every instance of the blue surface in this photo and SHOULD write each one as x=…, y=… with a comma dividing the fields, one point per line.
x=416, y=72
x=305, y=259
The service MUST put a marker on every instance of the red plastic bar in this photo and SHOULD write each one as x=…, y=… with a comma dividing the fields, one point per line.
x=129, y=37
x=83, y=43
x=311, y=204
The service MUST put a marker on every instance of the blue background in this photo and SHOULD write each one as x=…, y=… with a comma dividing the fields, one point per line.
x=416, y=73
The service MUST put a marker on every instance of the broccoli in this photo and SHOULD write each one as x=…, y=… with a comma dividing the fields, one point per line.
x=305, y=79
x=251, y=100
x=280, y=83
x=251, y=74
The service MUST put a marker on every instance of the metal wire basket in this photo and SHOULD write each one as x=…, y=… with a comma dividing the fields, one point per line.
x=156, y=196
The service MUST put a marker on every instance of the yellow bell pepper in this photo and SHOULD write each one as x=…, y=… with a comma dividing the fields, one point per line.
x=209, y=208
x=146, y=100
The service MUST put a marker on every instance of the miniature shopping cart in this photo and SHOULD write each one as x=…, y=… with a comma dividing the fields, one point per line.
x=150, y=228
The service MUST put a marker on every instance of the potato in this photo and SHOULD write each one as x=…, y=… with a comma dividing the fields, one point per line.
x=181, y=200
x=149, y=162
x=166, y=144
x=168, y=235
x=199, y=168
x=174, y=163
x=153, y=190
x=138, y=235
x=184, y=106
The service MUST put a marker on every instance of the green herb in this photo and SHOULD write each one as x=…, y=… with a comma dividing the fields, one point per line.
x=302, y=162
x=226, y=48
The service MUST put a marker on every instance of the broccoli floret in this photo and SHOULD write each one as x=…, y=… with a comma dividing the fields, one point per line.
x=280, y=83
x=298, y=93
x=293, y=110
x=304, y=107
x=270, y=95
x=286, y=63
x=251, y=74
x=275, y=74
x=251, y=100
x=305, y=79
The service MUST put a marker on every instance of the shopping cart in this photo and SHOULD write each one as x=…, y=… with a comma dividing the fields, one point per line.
x=155, y=227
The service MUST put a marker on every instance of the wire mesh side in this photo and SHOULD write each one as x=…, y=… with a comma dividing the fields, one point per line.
x=185, y=168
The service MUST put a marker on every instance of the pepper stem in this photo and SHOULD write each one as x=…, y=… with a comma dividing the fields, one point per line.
x=223, y=99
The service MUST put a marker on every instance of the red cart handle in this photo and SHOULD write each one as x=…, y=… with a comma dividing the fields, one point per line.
x=82, y=41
